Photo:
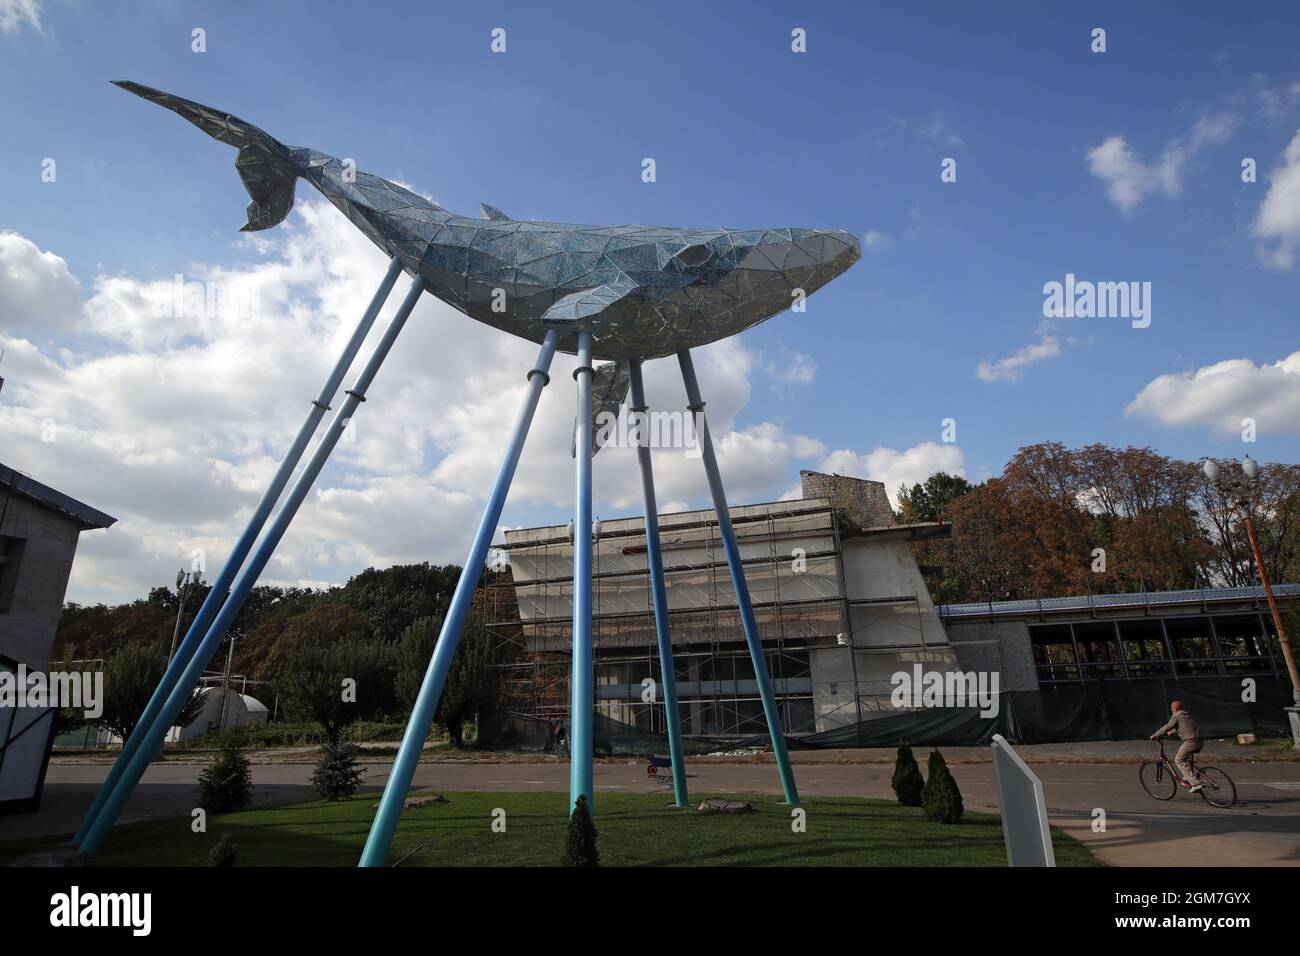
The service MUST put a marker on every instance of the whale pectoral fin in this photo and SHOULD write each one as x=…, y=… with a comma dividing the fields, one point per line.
x=491, y=212
x=609, y=385
x=585, y=303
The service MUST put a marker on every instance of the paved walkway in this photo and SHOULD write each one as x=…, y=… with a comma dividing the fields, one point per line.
x=1264, y=829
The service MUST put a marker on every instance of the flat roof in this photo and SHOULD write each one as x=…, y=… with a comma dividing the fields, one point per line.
x=1142, y=599
x=85, y=516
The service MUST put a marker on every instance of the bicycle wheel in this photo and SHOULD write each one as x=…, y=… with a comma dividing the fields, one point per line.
x=1157, y=781
x=1216, y=787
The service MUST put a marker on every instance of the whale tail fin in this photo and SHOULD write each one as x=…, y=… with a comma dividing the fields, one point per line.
x=264, y=163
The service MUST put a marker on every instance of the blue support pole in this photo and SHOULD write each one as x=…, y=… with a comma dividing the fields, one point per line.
x=659, y=593
x=154, y=734
x=217, y=594
x=738, y=582
x=581, y=689
x=426, y=702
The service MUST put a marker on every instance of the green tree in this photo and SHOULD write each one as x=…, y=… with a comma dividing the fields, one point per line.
x=940, y=797
x=130, y=678
x=907, y=781
x=472, y=682
x=926, y=502
x=335, y=684
x=393, y=599
x=337, y=776
x=580, y=838
x=226, y=784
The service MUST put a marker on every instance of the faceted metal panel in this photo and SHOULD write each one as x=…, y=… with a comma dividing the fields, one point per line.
x=644, y=291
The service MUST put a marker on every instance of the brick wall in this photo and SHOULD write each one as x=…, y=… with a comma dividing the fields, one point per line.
x=1001, y=646
x=858, y=502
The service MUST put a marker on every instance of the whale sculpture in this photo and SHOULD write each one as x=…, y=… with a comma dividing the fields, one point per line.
x=622, y=293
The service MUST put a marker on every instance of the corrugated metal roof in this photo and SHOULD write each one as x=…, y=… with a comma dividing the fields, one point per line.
x=1085, y=602
x=83, y=514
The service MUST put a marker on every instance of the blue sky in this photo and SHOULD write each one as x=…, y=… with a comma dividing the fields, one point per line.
x=745, y=133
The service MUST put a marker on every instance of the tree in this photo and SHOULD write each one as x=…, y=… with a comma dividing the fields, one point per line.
x=393, y=599
x=907, y=781
x=472, y=681
x=580, y=839
x=940, y=797
x=130, y=678
x=337, y=776
x=335, y=684
x=226, y=784
x=926, y=502
x=223, y=852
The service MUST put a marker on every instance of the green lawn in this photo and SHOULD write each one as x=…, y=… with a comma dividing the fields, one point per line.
x=634, y=829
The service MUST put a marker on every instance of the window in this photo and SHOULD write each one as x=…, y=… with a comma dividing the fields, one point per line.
x=1190, y=639
x=1053, y=651
x=11, y=553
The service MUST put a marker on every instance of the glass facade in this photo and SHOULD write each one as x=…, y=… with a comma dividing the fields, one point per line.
x=1193, y=645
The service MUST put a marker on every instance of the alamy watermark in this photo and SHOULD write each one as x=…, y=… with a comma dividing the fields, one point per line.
x=920, y=688
x=650, y=429
x=1082, y=299
x=78, y=690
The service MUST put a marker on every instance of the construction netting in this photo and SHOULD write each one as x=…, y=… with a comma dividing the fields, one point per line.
x=1095, y=710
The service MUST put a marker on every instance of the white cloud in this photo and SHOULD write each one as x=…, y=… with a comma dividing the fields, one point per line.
x=1010, y=368
x=875, y=240
x=38, y=294
x=1279, y=213
x=174, y=425
x=14, y=13
x=1129, y=179
x=894, y=468
x=1222, y=394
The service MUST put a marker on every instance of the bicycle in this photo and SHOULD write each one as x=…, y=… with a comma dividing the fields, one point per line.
x=1161, y=780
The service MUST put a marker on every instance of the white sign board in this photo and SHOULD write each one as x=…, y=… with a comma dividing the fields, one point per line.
x=1024, y=809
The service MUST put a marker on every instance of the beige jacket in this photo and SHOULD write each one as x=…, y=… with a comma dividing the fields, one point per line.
x=1187, y=729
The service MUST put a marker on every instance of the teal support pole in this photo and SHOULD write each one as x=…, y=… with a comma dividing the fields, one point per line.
x=217, y=594
x=139, y=761
x=738, y=582
x=658, y=591
x=581, y=689
x=426, y=702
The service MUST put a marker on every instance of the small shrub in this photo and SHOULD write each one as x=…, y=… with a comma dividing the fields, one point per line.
x=580, y=843
x=226, y=784
x=224, y=852
x=337, y=775
x=907, y=781
x=940, y=797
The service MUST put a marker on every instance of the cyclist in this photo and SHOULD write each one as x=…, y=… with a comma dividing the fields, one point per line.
x=1190, y=735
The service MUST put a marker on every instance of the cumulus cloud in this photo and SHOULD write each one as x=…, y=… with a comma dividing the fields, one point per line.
x=15, y=13
x=1278, y=223
x=175, y=420
x=895, y=468
x=39, y=296
x=1129, y=179
x=1222, y=394
x=1011, y=367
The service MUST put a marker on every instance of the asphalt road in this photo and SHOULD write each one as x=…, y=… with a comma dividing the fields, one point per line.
x=1263, y=829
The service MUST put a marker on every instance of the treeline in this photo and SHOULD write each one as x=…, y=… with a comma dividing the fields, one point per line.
x=1061, y=521
x=298, y=645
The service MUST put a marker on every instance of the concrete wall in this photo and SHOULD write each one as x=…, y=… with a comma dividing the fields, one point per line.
x=27, y=631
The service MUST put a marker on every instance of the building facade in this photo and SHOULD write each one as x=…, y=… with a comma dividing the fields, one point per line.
x=840, y=602
x=39, y=531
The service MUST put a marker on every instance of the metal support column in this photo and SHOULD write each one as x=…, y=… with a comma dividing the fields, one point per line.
x=184, y=686
x=581, y=689
x=217, y=594
x=426, y=702
x=654, y=557
x=738, y=582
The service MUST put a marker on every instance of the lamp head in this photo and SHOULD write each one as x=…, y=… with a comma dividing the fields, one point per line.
x=1211, y=469
x=1251, y=467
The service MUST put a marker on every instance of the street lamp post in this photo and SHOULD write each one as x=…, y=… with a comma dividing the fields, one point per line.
x=184, y=583
x=1238, y=492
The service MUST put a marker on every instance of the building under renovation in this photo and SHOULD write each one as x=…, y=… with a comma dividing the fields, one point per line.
x=840, y=602
x=842, y=608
